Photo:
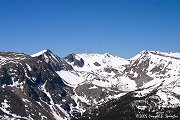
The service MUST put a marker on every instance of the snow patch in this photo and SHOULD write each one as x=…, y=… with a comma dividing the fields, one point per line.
x=39, y=53
x=70, y=77
x=29, y=68
x=94, y=87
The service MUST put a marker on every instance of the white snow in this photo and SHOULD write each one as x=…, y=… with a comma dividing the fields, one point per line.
x=143, y=92
x=39, y=53
x=5, y=105
x=101, y=83
x=142, y=107
x=153, y=83
x=94, y=87
x=125, y=84
x=96, y=74
x=29, y=68
x=169, y=54
x=176, y=90
x=70, y=77
x=115, y=96
x=11, y=59
x=82, y=99
x=104, y=60
x=168, y=100
x=166, y=63
x=46, y=58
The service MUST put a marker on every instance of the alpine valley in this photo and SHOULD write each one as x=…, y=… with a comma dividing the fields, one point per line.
x=44, y=86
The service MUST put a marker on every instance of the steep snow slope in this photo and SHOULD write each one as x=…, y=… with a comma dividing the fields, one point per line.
x=71, y=78
x=39, y=53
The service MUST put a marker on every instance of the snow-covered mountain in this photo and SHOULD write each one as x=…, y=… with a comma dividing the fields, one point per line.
x=157, y=78
x=79, y=86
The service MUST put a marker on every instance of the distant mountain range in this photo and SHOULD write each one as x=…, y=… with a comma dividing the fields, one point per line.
x=85, y=86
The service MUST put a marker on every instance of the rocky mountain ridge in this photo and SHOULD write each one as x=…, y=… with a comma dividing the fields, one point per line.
x=78, y=86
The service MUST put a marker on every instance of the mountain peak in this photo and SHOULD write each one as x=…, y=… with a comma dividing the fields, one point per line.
x=54, y=60
x=41, y=53
x=144, y=54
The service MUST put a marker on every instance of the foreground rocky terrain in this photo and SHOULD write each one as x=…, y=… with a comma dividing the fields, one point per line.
x=89, y=86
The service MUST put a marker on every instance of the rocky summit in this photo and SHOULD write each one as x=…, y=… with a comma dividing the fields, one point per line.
x=44, y=86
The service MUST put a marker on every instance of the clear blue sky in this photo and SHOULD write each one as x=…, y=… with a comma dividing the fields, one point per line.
x=120, y=27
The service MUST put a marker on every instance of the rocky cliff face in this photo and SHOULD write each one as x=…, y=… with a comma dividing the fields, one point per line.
x=89, y=86
x=31, y=89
